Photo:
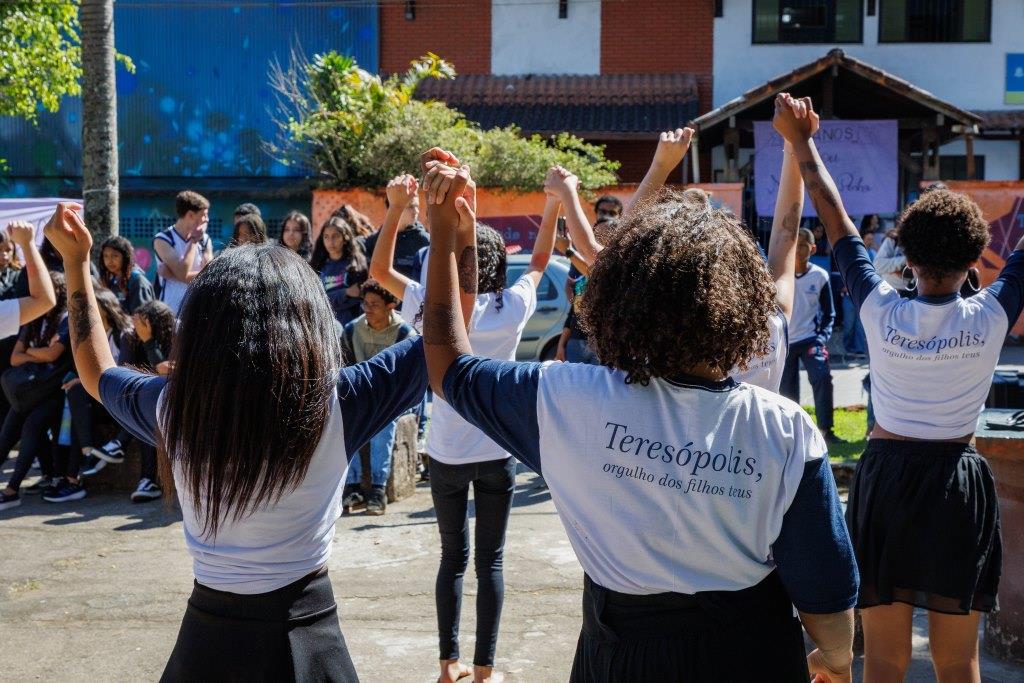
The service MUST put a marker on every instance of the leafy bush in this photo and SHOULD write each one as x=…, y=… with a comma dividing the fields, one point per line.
x=355, y=128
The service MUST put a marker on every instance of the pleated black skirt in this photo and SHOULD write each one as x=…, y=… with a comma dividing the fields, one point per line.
x=714, y=636
x=924, y=520
x=291, y=634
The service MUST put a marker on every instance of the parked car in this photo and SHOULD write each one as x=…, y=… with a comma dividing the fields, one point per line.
x=540, y=336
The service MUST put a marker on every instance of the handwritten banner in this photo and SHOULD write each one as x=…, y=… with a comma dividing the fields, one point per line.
x=862, y=157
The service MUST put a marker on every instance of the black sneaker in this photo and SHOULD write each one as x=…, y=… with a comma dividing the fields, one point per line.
x=112, y=452
x=377, y=501
x=147, y=490
x=44, y=482
x=352, y=498
x=11, y=500
x=66, y=493
x=92, y=466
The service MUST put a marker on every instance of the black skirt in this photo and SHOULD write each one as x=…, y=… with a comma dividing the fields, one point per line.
x=750, y=634
x=924, y=520
x=290, y=634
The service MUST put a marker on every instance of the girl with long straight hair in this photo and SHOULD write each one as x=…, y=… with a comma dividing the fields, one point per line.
x=258, y=421
x=923, y=509
x=339, y=259
x=122, y=276
x=460, y=454
x=295, y=230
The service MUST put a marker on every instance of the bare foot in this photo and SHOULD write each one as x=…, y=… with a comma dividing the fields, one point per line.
x=452, y=670
x=487, y=674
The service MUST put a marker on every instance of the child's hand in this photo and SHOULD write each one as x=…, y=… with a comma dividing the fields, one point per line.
x=401, y=190
x=68, y=234
x=672, y=147
x=21, y=233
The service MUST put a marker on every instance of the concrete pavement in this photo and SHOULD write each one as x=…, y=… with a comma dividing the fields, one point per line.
x=95, y=591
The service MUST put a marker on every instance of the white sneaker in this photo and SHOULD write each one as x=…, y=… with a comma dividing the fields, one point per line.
x=93, y=466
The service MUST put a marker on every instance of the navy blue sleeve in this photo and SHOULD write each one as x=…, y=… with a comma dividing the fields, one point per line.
x=377, y=391
x=813, y=553
x=1009, y=286
x=826, y=313
x=64, y=334
x=131, y=397
x=856, y=267
x=500, y=399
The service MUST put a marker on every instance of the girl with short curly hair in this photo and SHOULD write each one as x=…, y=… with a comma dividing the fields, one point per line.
x=922, y=512
x=692, y=501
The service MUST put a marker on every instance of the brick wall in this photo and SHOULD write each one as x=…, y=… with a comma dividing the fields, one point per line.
x=659, y=36
x=460, y=34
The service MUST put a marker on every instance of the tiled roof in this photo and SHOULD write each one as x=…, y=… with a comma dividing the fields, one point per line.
x=608, y=106
x=1001, y=119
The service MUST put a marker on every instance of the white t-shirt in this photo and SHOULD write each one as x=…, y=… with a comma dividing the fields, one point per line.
x=493, y=333
x=173, y=292
x=931, y=358
x=812, y=306
x=766, y=371
x=10, y=318
x=677, y=486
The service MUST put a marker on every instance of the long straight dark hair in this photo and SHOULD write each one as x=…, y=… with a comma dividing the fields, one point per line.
x=255, y=364
x=351, y=250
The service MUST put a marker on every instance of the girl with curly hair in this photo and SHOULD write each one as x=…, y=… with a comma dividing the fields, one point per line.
x=692, y=501
x=339, y=259
x=923, y=512
x=121, y=276
x=460, y=454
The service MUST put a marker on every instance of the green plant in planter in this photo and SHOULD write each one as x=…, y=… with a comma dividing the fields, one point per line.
x=355, y=128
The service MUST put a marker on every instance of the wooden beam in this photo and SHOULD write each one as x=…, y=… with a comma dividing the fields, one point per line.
x=828, y=94
x=695, y=160
x=969, y=146
x=732, y=153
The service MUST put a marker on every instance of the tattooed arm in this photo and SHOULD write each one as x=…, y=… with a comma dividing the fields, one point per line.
x=785, y=227
x=796, y=122
x=88, y=340
x=451, y=267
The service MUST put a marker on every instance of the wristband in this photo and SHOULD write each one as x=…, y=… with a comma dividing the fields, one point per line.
x=569, y=252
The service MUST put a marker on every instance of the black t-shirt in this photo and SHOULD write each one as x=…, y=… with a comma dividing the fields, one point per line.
x=408, y=243
x=572, y=321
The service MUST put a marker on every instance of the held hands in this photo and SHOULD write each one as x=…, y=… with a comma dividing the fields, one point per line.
x=672, y=147
x=795, y=119
x=21, y=233
x=821, y=672
x=451, y=192
x=401, y=190
x=68, y=234
x=561, y=184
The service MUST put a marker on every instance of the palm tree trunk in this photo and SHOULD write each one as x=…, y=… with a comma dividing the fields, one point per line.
x=99, y=118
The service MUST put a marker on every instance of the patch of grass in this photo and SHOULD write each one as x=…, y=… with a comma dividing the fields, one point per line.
x=29, y=585
x=850, y=425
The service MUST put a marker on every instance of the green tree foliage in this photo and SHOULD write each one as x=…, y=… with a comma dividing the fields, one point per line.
x=355, y=128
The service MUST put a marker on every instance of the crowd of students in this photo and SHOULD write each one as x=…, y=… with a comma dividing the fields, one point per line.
x=698, y=500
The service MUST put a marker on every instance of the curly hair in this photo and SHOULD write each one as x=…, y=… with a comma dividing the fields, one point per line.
x=352, y=249
x=39, y=331
x=163, y=323
x=374, y=287
x=492, y=263
x=360, y=222
x=942, y=233
x=680, y=284
x=123, y=247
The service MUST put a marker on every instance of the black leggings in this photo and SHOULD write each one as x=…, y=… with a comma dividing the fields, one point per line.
x=31, y=429
x=493, y=483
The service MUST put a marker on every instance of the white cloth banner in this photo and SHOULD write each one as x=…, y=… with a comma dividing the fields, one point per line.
x=33, y=210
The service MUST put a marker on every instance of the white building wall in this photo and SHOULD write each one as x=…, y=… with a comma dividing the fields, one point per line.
x=529, y=38
x=970, y=75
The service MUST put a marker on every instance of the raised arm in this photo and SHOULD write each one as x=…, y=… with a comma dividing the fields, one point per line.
x=564, y=186
x=40, y=297
x=545, y=241
x=672, y=147
x=400, y=192
x=69, y=236
x=789, y=206
x=797, y=123
x=444, y=327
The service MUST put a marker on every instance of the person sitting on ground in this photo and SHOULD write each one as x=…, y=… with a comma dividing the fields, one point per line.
x=146, y=348
x=460, y=454
x=249, y=229
x=295, y=230
x=923, y=509
x=412, y=236
x=811, y=328
x=258, y=420
x=183, y=249
x=379, y=327
x=692, y=501
x=339, y=260
x=121, y=276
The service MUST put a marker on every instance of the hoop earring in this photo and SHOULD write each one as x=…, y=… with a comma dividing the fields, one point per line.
x=974, y=280
x=908, y=275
